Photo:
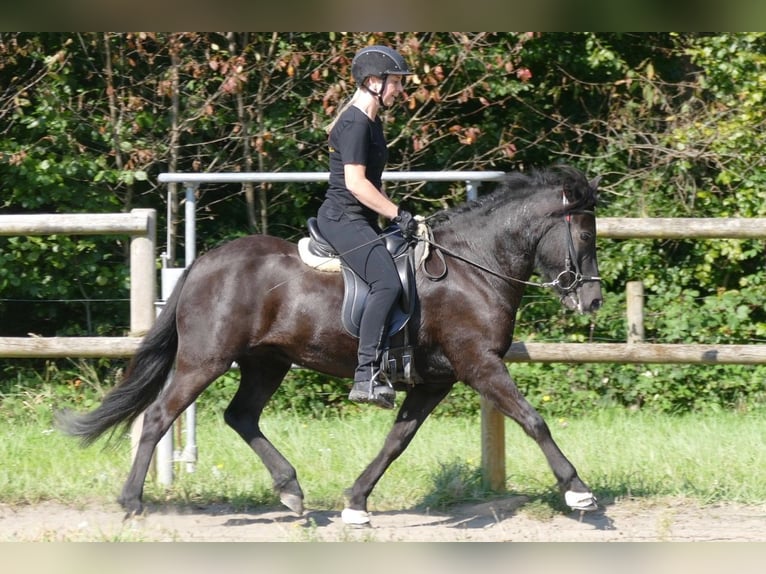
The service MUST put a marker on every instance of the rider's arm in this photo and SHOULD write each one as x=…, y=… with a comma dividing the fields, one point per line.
x=358, y=184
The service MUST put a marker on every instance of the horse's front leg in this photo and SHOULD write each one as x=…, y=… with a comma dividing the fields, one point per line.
x=416, y=407
x=492, y=381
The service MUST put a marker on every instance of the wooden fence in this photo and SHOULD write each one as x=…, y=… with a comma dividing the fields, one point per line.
x=141, y=225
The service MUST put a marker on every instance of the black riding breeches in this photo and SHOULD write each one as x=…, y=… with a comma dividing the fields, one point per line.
x=362, y=250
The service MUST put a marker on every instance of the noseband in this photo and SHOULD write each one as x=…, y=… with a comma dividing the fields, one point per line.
x=571, y=262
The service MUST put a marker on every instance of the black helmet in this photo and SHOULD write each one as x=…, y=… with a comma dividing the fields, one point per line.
x=380, y=61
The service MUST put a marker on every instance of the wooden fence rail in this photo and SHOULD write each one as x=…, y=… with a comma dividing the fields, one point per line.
x=141, y=225
x=624, y=353
x=681, y=228
x=134, y=223
x=63, y=347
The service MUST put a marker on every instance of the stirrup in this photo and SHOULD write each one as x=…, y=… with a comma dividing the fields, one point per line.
x=373, y=391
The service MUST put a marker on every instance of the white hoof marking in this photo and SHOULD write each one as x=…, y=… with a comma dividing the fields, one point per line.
x=355, y=517
x=580, y=500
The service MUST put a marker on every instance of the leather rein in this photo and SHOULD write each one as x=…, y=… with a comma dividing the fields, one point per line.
x=571, y=264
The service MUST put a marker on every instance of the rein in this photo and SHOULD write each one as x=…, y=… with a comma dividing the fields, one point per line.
x=571, y=265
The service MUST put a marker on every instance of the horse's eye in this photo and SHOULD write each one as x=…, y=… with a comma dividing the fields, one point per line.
x=586, y=236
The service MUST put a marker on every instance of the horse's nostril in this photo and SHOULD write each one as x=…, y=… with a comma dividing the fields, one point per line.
x=595, y=305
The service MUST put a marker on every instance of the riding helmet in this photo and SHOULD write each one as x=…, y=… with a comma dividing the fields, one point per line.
x=380, y=61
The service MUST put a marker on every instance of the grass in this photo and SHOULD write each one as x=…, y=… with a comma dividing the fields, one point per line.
x=708, y=458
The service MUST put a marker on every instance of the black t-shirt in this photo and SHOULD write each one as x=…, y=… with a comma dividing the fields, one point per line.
x=356, y=139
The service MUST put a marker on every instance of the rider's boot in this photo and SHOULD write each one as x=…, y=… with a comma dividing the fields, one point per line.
x=369, y=387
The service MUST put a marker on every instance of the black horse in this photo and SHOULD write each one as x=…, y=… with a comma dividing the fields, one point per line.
x=253, y=301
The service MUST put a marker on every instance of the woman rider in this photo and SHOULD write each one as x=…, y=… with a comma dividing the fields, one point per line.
x=348, y=217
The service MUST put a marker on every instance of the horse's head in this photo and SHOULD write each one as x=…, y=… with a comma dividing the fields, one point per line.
x=566, y=256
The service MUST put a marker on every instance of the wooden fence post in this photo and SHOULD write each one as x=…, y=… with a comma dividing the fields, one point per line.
x=492, y=446
x=143, y=281
x=143, y=293
x=634, y=295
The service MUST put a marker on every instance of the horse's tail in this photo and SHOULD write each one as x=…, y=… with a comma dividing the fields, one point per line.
x=142, y=382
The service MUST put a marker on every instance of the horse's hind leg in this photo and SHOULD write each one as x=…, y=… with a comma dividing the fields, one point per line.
x=260, y=378
x=185, y=386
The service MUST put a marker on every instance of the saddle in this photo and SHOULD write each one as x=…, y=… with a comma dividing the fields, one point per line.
x=396, y=361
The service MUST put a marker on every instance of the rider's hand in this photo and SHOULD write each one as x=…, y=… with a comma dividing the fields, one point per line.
x=407, y=224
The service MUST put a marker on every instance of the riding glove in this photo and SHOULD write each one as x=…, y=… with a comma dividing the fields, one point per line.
x=407, y=224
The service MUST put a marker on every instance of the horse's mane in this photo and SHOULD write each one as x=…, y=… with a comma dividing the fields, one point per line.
x=517, y=186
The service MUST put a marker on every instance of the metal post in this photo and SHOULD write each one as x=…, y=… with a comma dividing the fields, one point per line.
x=164, y=454
x=189, y=455
x=472, y=189
x=163, y=457
x=190, y=235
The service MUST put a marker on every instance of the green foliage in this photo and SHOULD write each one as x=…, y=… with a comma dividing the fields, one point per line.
x=79, y=385
x=673, y=121
x=560, y=391
x=305, y=392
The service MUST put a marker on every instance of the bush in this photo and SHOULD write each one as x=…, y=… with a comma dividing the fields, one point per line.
x=557, y=391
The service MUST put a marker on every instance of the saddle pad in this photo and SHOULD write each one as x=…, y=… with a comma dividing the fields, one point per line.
x=332, y=264
x=328, y=264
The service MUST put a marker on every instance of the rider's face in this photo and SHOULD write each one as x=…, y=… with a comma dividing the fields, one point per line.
x=393, y=89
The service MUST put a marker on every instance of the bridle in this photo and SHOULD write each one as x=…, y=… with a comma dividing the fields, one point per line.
x=571, y=262
x=562, y=281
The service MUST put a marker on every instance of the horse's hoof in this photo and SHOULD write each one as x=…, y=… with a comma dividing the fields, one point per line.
x=132, y=509
x=355, y=517
x=293, y=502
x=584, y=501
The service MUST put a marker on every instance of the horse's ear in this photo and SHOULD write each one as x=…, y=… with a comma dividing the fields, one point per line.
x=570, y=192
x=593, y=183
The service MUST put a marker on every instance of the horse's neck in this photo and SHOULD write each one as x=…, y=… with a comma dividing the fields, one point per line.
x=505, y=238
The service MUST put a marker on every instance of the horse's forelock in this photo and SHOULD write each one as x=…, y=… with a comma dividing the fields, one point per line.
x=575, y=189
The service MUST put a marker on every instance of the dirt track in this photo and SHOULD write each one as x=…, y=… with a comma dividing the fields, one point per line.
x=499, y=521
